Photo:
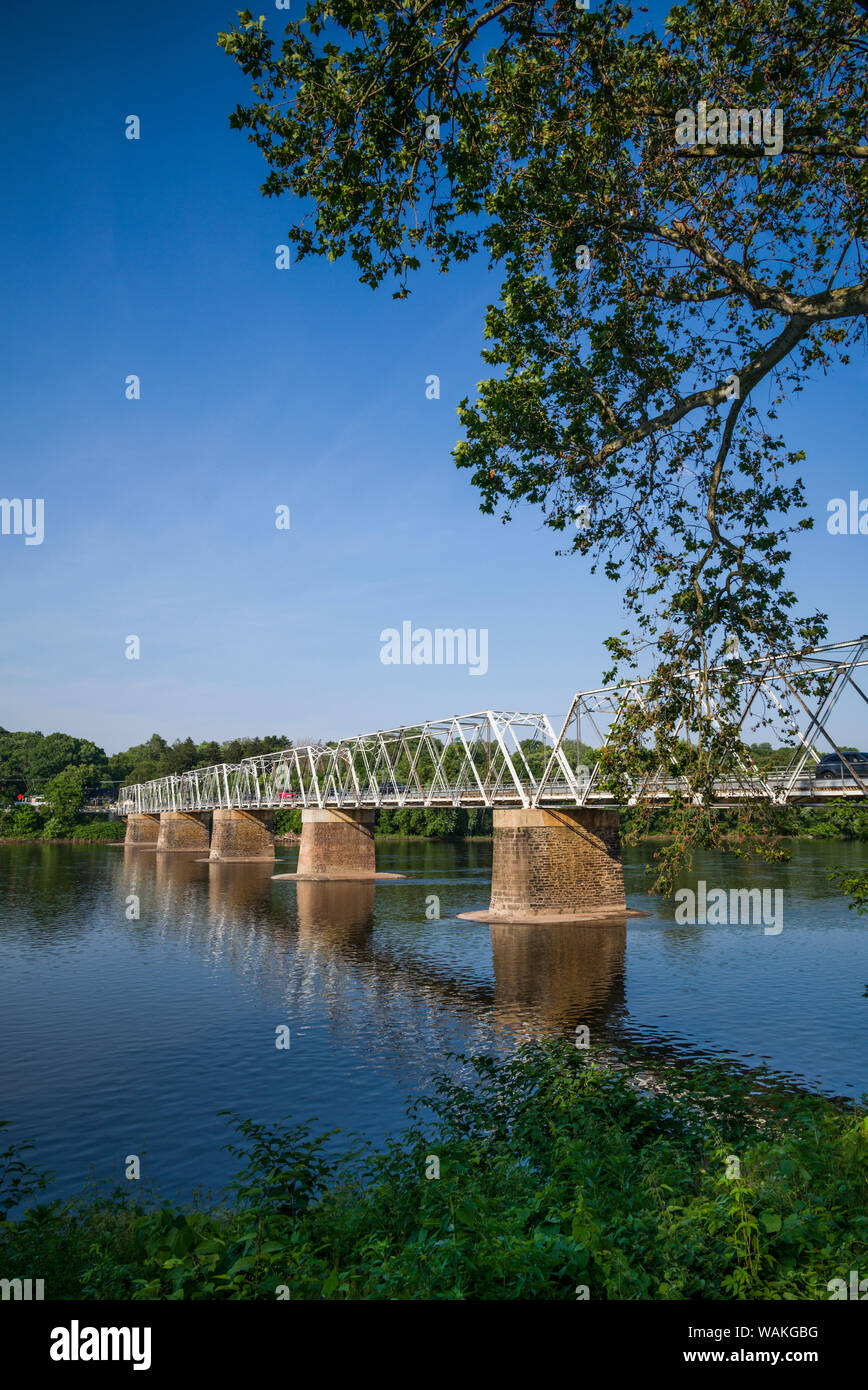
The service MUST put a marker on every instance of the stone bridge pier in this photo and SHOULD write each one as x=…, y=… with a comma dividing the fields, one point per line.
x=555, y=866
x=241, y=834
x=142, y=831
x=184, y=830
x=337, y=845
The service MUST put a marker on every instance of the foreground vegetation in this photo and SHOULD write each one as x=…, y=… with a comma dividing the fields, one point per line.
x=561, y=1176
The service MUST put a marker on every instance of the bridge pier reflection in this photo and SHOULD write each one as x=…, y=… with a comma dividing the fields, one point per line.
x=546, y=978
x=176, y=880
x=236, y=890
x=335, y=914
x=550, y=978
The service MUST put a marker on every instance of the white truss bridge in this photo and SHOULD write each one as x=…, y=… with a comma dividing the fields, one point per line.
x=497, y=758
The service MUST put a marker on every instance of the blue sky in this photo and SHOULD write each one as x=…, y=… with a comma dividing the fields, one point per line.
x=261, y=388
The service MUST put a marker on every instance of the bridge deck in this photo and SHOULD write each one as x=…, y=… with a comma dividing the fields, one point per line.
x=807, y=791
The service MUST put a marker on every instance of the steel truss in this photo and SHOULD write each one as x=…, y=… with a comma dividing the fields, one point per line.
x=791, y=694
x=497, y=758
x=491, y=758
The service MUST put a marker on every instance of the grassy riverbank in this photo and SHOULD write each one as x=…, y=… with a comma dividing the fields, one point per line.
x=560, y=1176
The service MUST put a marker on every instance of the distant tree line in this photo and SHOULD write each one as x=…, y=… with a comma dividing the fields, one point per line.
x=29, y=761
x=432, y=822
x=68, y=772
x=846, y=820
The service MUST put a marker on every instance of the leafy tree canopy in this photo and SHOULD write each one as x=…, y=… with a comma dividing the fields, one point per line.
x=29, y=760
x=659, y=299
x=65, y=798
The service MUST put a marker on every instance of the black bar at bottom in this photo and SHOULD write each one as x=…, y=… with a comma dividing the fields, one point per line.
x=281, y=1337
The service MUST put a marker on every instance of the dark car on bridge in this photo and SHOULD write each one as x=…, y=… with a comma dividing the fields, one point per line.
x=391, y=788
x=833, y=768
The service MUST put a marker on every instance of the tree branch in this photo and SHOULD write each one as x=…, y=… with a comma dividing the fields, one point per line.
x=752, y=373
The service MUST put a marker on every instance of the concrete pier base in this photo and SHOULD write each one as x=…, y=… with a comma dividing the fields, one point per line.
x=142, y=830
x=555, y=866
x=240, y=834
x=183, y=830
x=336, y=844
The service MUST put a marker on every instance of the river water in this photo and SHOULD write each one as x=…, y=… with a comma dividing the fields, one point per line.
x=121, y=1035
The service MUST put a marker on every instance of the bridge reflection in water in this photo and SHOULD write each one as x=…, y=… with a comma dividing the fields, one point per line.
x=319, y=937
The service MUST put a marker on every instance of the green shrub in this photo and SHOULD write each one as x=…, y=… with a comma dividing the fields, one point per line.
x=24, y=822
x=93, y=829
x=286, y=819
x=433, y=822
x=555, y=1171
